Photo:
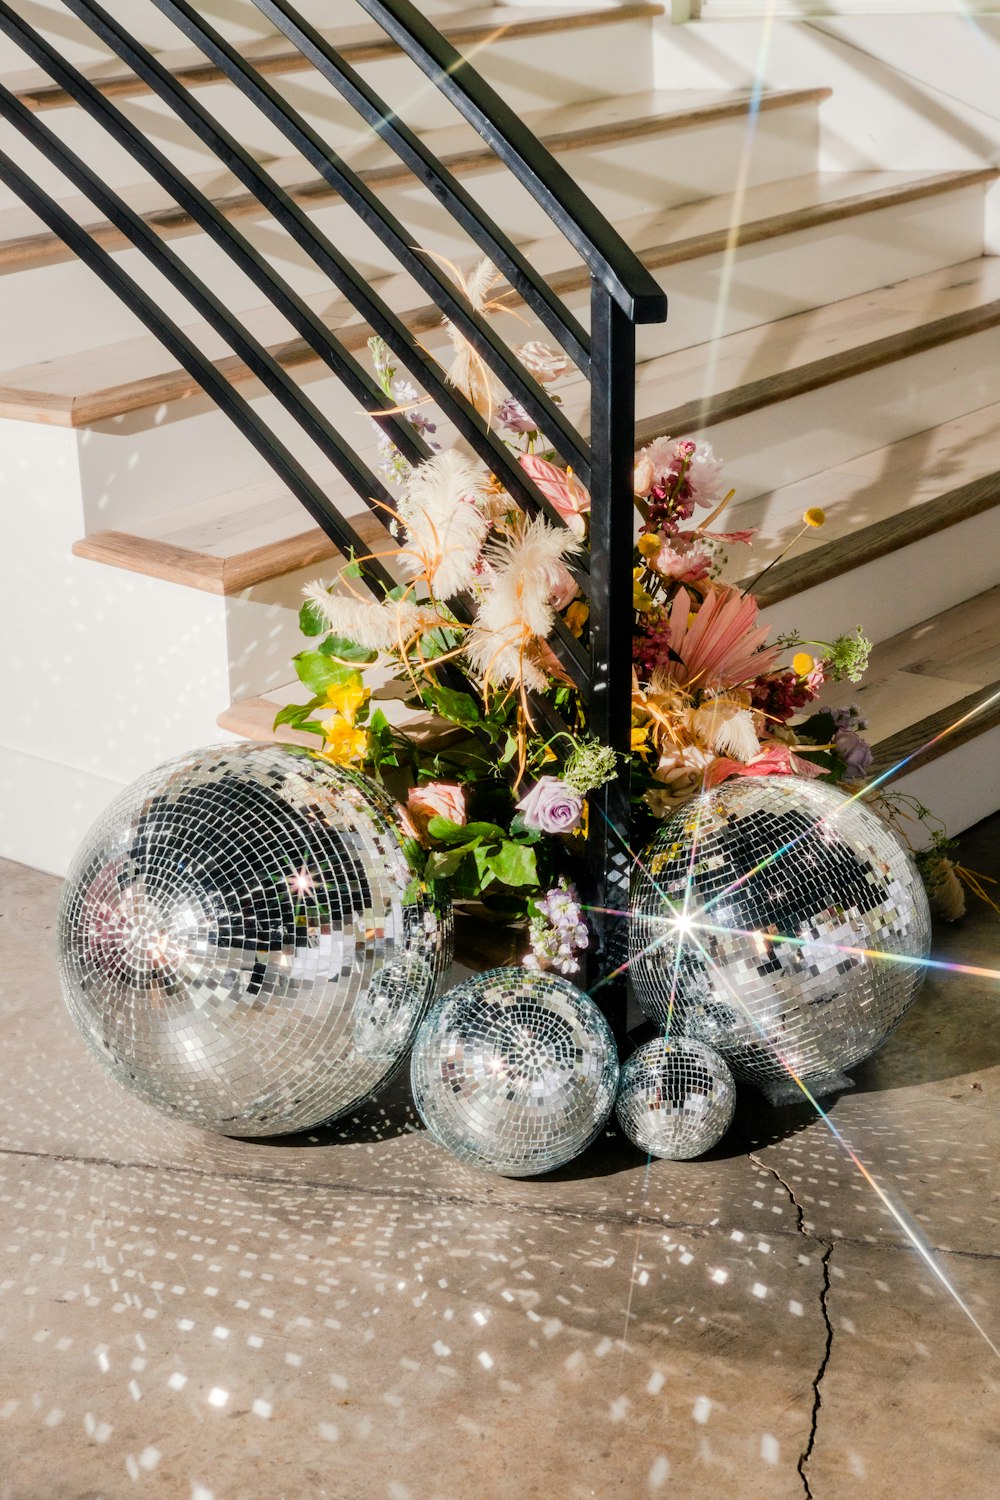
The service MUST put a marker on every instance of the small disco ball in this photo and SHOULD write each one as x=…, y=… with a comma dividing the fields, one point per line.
x=514, y=1071
x=676, y=1098
x=243, y=942
x=757, y=921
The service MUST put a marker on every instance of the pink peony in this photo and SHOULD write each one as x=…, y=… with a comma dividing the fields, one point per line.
x=434, y=798
x=564, y=492
x=681, y=559
x=551, y=806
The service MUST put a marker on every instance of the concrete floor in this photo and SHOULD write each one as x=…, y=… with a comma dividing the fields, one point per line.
x=357, y=1316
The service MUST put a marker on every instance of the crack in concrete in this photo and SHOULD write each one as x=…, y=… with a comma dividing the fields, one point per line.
x=824, y=1296
x=824, y=1300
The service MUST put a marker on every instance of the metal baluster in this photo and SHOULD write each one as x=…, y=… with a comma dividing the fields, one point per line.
x=612, y=437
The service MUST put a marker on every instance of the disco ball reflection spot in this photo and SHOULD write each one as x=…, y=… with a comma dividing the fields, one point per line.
x=676, y=1098
x=243, y=942
x=766, y=920
x=514, y=1071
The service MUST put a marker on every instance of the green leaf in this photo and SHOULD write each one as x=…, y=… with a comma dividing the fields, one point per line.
x=318, y=672
x=444, y=831
x=509, y=750
x=484, y=869
x=382, y=747
x=311, y=622
x=458, y=707
x=347, y=650
x=513, y=864
x=442, y=863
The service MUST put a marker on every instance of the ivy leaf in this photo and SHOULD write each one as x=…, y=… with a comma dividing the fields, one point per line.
x=513, y=864
x=348, y=650
x=311, y=622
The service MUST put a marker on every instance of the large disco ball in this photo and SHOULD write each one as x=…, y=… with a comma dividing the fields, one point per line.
x=514, y=1071
x=243, y=942
x=676, y=1098
x=761, y=911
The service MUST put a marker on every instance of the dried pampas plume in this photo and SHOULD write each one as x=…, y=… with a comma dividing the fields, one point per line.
x=378, y=627
x=526, y=569
x=725, y=726
x=468, y=372
x=445, y=522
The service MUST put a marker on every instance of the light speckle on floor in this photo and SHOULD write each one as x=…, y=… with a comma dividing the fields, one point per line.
x=355, y=1315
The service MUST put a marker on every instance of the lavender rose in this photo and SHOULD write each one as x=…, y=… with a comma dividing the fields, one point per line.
x=551, y=806
x=855, y=752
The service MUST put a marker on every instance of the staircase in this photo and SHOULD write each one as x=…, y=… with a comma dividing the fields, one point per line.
x=835, y=333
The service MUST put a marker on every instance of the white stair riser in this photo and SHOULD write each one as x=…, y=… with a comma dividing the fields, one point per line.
x=777, y=444
x=623, y=179
x=897, y=591
x=960, y=787
x=532, y=73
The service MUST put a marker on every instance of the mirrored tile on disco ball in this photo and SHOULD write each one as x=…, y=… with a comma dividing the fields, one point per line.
x=767, y=939
x=514, y=1071
x=223, y=926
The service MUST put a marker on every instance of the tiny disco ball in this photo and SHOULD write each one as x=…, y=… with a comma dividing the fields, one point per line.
x=676, y=1098
x=757, y=921
x=243, y=942
x=514, y=1071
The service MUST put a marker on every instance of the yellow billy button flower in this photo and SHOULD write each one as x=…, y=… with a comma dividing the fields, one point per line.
x=814, y=516
x=802, y=663
x=577, y=616
x=343, y=743
x=649, y=544
x=347, y=697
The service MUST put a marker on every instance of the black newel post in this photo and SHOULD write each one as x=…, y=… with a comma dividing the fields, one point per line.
x=612, y=419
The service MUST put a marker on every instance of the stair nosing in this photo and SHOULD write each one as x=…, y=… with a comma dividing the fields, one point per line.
x=844, y=554
x=176, y=385
x=172, y=221
x=196, y=75
x=925, y=740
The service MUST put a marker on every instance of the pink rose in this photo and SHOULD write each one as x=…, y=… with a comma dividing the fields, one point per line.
x=551, y=806
x=544, y=362
x=562, y=490
x=564, y=586
x=434, y=799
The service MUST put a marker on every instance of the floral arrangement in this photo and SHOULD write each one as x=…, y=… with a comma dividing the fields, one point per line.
x=495, y=800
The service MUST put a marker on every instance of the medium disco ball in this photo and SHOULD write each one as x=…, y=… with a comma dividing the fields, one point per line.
x=514, y=1071
x=243, y=942
x=760, y=910
x=676, y=1098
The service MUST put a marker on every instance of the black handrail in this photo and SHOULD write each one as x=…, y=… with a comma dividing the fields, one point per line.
x=610, y=260
x=410, y=149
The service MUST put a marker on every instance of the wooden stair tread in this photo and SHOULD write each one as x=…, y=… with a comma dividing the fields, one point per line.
x=24, y=240
x=772, y=362
x=925, y=679
x=360, y=43
x=886, y=499
x=92, y=385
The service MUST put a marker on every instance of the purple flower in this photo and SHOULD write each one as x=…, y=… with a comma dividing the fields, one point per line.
x=514, y=417
x=551, y=806
x=855, y=752
x=557, y=931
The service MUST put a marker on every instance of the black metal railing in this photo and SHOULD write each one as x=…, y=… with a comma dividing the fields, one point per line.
x=623, y=293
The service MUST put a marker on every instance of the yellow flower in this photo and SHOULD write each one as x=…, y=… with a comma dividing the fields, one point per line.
x=640, y=738
x=649, y=544
x=343, y=742
x=802, y=663
x=641, y=601
x=814, y=516
x=577, y=616
x=347, y=697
